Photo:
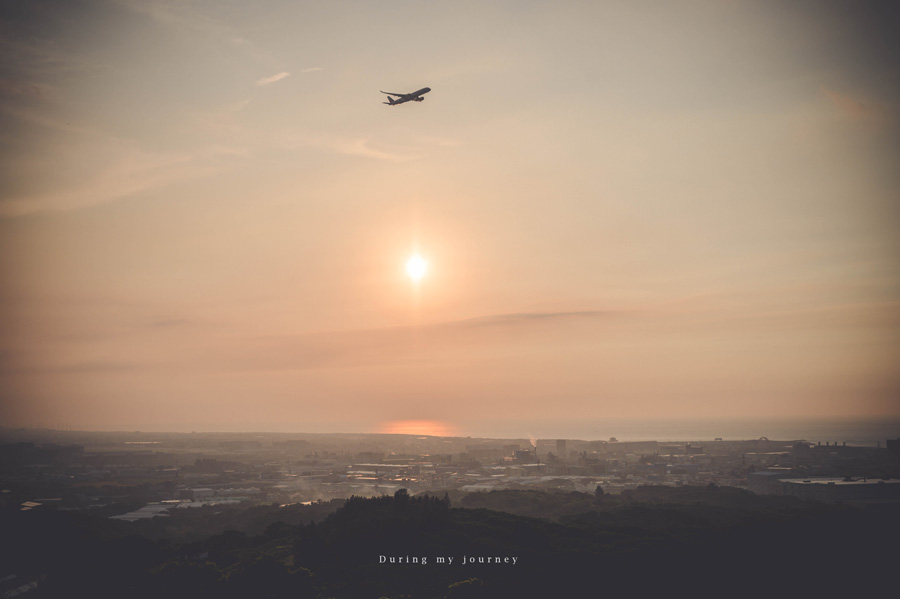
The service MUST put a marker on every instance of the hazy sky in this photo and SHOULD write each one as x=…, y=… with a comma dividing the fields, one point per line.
x=628, y=209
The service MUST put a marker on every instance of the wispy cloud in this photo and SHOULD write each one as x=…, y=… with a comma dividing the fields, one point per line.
x=401, y=344
x=145, y=350
x=123, y=169
x=847, y=104
x=25, y=89
x=272, y=79
x=361, y=146
x=857, y=108
x=444, y=142
x=364, y=147
x=311, y=69
x=520, y=318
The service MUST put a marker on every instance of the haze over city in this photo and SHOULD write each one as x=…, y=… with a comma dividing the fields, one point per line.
x=621, y=212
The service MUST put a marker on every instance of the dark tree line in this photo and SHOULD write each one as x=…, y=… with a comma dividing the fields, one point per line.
x=712, y=540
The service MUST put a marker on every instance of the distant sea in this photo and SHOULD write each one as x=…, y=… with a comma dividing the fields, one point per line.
x=851, y=432
x=868, y=433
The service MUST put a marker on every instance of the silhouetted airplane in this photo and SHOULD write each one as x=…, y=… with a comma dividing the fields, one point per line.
x=401, y=98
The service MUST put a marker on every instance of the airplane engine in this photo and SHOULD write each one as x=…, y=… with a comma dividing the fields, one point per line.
x=420, y=99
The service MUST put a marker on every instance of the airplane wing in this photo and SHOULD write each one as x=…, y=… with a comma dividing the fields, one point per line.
x=390, y=94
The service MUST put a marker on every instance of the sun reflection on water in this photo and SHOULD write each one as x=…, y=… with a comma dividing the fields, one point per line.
x=432, y=428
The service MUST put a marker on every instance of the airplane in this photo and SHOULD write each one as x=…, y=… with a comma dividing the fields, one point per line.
x=401, y=98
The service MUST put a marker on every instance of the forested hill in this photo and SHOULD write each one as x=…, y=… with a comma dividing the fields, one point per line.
x=708, y=541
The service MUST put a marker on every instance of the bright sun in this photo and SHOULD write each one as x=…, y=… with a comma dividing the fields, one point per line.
x=416, y=267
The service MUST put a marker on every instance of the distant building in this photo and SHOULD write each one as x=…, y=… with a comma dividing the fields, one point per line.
x=767, y=482
x=828, y=490
x=292, y=444
x=240, y=445
x=893, y=446
x=800, y=451
x=524, y=456
x=370, y=456
x=841, y=490
x=151, y=510
x=201, y=494
x=485, y=453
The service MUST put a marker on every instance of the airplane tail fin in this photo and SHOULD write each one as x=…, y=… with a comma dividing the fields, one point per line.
x=390, y=101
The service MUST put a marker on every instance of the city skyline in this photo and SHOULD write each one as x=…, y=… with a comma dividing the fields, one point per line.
x=666, y=212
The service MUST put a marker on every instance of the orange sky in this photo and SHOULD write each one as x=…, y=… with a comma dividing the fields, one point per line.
x=206, y=213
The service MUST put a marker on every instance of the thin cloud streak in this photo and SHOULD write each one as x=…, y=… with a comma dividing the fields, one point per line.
x=363, y=147
x=520, y=318
x=307, y=351
x=848, y=105
x=438, y=342
x=131, y=170
x=273, y=79
x=404, y=344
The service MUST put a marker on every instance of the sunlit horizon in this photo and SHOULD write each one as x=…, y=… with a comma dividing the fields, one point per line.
x=431, y=428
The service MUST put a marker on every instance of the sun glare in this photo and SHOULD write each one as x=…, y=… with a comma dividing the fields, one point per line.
x=416, y=267
x=431, y=428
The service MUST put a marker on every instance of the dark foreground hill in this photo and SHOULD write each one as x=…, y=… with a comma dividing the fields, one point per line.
x=702, y=541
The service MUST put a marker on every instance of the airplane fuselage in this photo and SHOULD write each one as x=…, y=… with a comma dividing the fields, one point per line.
x=415, y=96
